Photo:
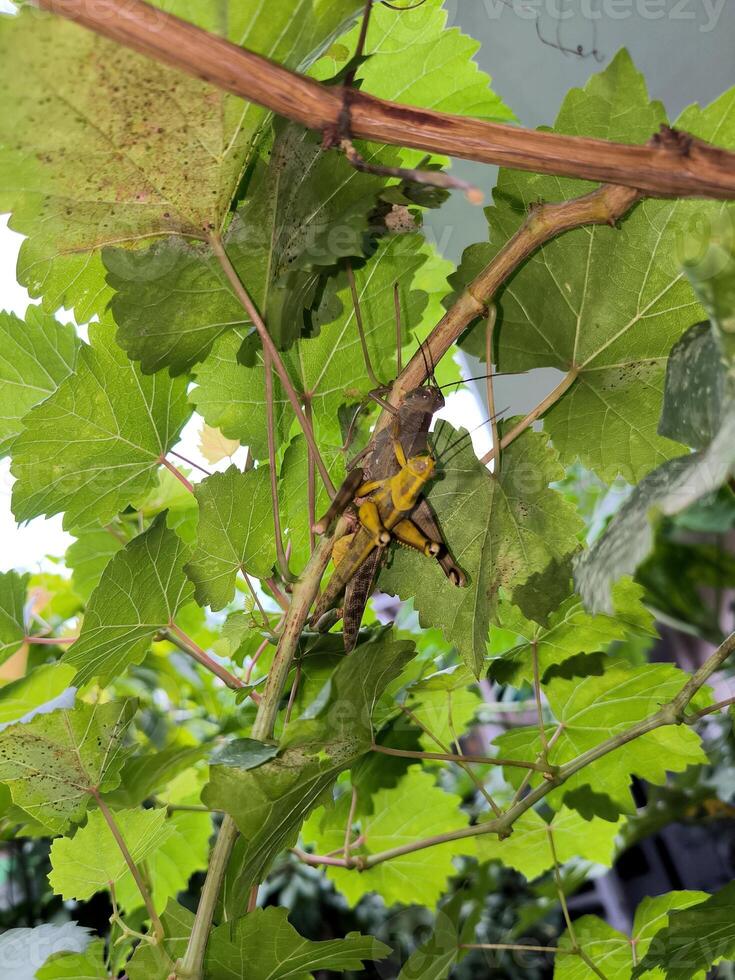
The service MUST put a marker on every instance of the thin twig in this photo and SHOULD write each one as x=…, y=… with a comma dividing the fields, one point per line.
x=177, y=473
x=451, y=757
x=713, y=708
x=361, y=328
x=527, y=421
x=258, y=603
x=190, y=462
x=270, y=430
x=539, y=705
x=266, y=340
x=277, y=594
x=350, y=821
x=519, y=947
x=132, y=866
x=50, y=641
x=292, y=695
x=185, y=643
x=490, y=389
x=310, y=481
x=255, y=658
x=431, y=178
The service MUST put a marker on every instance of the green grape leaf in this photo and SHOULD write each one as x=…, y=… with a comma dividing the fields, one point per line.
x=54, y=762
x=270, y=802
x=699, y=407
x=614, y=953
x=148, y=774
x=87, y=862
x=166, y=158
x=156, y=961
x=605, y=303
x=35, y=357
x=13, y=588
x=591, y=709
x=89, y=555
x=182, y=852
x=304, y=211
x=89, y=965
x=329, y=368
x=500, y=530
x=528, y=849
x=140, y=592
x=695, y=938
x=272, y=948
x=444, y=703
x=570, y=631
x=414, y=809
x=41, y=685
x=235, y=533
x=95, y=445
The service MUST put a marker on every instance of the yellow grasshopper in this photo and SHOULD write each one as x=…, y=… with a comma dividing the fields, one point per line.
x=383, y=509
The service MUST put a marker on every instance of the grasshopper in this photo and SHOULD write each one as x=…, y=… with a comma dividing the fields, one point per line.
x=388, y=490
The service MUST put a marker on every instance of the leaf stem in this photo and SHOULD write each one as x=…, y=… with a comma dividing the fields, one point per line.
x=132, y=866
x=452, y=757
x=271, y=433
x=266, y=340
x=490, y=388
x=50, y=641
x=177, y=473
x=190, y=462
x=179, y=639
x=527, y=421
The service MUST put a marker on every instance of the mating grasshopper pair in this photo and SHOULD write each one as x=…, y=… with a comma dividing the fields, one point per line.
x=384, y=498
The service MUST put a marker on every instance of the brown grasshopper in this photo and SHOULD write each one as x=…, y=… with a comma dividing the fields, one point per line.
x=386, y=491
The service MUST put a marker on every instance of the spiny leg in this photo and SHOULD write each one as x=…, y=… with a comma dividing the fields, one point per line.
x=409, y=534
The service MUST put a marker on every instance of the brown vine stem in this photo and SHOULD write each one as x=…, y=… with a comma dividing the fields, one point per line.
x=671, y=713
x=270, y=348
x=304, y=592
x=132, y=866
x=673, y=165
x=604, y=206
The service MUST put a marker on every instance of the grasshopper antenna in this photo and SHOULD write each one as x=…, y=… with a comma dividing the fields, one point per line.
x=428, y=364
x=360, y=328
x=482, y=377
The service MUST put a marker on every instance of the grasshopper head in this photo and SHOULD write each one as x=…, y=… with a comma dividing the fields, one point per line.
x=422, y=467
